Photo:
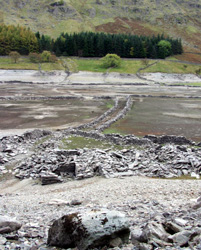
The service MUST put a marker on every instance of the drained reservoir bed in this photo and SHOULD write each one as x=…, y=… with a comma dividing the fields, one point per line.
x=160, y=116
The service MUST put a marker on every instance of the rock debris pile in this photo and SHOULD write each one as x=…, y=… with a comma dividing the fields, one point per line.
x=40, y=155
x=51, y=164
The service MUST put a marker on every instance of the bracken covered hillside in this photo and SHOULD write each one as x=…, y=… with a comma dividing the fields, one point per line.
x=177, y=18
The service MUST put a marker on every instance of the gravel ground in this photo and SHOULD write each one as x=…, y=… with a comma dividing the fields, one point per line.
x=140, y=198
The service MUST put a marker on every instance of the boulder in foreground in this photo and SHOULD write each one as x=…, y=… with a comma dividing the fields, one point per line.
x=89, y=229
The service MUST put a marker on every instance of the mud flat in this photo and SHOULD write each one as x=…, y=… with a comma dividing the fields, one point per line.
x=55, y=113
x=162, y=116
x=29, y=100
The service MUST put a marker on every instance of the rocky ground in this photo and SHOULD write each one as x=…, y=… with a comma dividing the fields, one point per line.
x=141, y=198
x=154, y=181
x=149, y=203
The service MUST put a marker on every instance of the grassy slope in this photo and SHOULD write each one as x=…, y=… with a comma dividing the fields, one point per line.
x=139, y=17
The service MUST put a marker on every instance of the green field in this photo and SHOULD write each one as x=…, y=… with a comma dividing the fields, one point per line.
x=24, y=63
x=94, y=65
x=74, y=142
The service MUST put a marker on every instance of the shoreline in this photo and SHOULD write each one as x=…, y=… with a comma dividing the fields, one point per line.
x=85, y=77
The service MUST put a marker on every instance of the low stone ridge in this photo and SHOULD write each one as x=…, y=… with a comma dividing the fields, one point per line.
x=89, y=229
x=104, y=121
x=132, y=139
x=180, y=140
x=100, y=118
x=119, y=116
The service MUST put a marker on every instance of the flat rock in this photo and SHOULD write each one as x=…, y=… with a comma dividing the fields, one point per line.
x=181, y=238
x=8, y=224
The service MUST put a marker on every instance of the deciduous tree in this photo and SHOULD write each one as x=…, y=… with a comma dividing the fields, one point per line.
x=14, y=56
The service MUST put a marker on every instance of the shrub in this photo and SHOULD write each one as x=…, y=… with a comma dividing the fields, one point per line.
x=14, y=56
x=145, y=62
x=45, y=56
x=53, y=58
x=34, y=57
x=111, y=61
x=164, y=49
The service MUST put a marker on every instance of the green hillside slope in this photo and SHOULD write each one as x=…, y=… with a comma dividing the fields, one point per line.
x=178, y=18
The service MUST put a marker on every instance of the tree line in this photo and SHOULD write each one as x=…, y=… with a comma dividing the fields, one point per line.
x=87, y=44
x=17, y=38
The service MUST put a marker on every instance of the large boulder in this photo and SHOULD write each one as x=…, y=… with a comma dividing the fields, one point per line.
x=8, y=224
x=89, y=229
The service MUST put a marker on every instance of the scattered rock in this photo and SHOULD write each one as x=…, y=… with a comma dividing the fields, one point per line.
x=2, y=240
x=75, y=203
x=181, y=238
x=8, y=224
x=49, y=178
x=198, y=203
x=58, y=202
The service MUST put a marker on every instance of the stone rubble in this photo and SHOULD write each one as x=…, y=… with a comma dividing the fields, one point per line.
x=165, y=161
x=100, y=118
x=152, y=227
x=38, y=155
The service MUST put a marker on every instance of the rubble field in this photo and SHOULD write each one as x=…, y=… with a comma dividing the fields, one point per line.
x=152, y=180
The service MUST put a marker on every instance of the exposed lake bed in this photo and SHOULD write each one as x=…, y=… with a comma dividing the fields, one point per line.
x=29, y=100
x=127, y=163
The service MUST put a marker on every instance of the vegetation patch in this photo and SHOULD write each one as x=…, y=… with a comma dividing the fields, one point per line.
x=193, y=84
x=94, y=65
x=75, y=142
x=26, y=64
x=172, y=67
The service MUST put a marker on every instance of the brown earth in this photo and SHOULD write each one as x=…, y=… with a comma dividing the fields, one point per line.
x=124, y=25
x=189, y=57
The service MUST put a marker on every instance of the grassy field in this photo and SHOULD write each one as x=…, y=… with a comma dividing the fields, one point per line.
x=172, y=67
x=74, y=142
x=24, y=63
x=94, y=65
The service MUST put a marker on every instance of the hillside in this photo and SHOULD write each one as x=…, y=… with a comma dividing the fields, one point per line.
x=178, y=18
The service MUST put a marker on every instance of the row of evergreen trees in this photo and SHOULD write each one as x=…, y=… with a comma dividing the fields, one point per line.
x=87, y=44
